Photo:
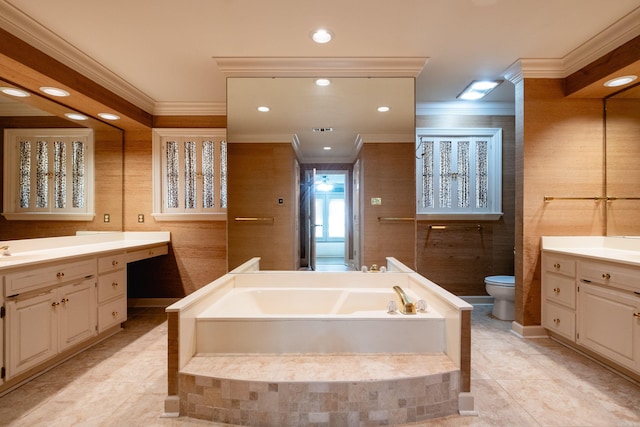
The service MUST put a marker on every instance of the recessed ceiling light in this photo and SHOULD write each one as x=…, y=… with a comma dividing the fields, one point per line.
x=326, y=148
x=321, y=36
x=15, y=92
x=109, y=116
x=383, y=109
x=478, y=89
x=620, y=81
x=76, y=116
x=263, y=108
x=323, y=82
x=54, y=91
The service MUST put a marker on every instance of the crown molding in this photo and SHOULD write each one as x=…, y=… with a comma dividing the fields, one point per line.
x=190, y=109
x=463, y=108
x=624, y=30
x=321, y=66
x=25, y=28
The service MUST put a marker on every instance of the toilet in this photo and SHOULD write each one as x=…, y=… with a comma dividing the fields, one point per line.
x=503, y=290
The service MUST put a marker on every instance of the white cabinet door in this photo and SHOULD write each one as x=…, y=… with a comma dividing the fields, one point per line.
x=32, y=332
x=77, y=313
x=609, y=324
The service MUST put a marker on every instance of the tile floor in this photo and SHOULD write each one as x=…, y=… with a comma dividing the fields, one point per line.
x=516, y=382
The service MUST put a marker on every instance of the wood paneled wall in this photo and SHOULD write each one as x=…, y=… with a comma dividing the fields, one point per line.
x=559, y=152
x=459, y=257
x=388, y=173
x=259, y=174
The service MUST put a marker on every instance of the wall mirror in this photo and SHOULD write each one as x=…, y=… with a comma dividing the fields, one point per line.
x=622, y=162
x=35, y=111
x=340, y=113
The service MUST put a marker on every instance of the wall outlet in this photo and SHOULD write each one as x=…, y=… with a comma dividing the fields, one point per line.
x=107, y=217
x=141, y=218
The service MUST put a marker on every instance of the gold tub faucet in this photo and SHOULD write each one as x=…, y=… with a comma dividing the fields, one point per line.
x=408, y=307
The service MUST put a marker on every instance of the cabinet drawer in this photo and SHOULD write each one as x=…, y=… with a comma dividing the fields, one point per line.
x=111, y=263
x=147, y=253
x=30, y=280
x=111, y=285
x=560, y=320
x=112, y=313
x=614, y=275
x=559, y=289
x=559, y=264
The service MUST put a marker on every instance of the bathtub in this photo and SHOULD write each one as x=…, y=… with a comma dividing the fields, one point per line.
x=315, y=320
x=267, y=316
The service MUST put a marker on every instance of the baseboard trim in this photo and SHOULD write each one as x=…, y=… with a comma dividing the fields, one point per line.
x=534, y=331
x=151, y=302
x=478, y=299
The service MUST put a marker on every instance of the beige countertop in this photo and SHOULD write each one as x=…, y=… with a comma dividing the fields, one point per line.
x=616, y=249
x=27, y=252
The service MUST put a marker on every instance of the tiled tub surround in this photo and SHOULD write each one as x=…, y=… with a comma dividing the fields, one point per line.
x=380, y=380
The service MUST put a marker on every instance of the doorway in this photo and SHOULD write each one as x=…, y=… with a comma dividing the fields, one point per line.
x=325, y=207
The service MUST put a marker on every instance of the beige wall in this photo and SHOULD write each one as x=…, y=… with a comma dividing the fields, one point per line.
x=108, y=182
x=198, y=249
x=258, y=175
x=459, y=257
x=559, y=153
x=388, y=172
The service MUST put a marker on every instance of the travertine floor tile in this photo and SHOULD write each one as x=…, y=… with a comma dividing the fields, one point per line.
x=516, y=382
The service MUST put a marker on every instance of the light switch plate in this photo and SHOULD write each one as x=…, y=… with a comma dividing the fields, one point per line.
x=376, y=200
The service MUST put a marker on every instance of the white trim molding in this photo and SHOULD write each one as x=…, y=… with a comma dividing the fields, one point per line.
x=314, y=66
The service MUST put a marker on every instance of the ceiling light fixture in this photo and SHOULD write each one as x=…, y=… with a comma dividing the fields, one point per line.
x=383, y=109
x=321, y=36
x=54, y=91
x=15, y=92
x=620, y=81
x=263, y=109
x=323, y=82
x=76, y=116
x=327, y=148
x=478, y=89
x=109, y=116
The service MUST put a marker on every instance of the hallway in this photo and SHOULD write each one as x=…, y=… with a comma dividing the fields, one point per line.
x=516, y=382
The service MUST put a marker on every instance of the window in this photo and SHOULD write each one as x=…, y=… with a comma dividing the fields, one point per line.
x=48, y=174
x=190, y=174
x=459, y=173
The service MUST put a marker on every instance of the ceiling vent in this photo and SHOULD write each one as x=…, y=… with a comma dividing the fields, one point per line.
x=323, y=129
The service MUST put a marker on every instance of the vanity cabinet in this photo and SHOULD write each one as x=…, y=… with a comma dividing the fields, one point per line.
x=41, y=325
x=609, y=311
x=112, y=290
x=60, y=295
x=559, y=294
x=594, y=304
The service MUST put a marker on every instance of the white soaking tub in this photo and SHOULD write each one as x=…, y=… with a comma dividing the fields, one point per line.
x=240, y=347
x=315, y=320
